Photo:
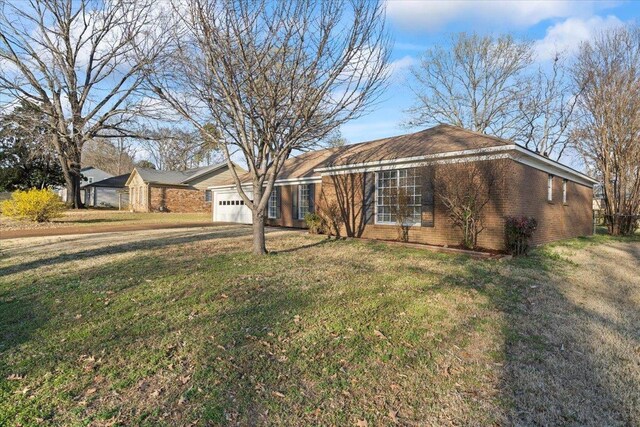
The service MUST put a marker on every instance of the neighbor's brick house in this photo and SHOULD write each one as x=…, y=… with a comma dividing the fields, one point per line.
x=153, y=190
x=354, y=177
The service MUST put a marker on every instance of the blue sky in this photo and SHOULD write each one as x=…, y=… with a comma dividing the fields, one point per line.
x=416, y=25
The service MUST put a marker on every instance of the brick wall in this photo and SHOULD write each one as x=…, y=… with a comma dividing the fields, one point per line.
x=286, y=207
x=177, y=199
x=556, y=220
x=523, y=193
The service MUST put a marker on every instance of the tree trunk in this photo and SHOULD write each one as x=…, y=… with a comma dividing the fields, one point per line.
x=259, y=246
x=73, y=180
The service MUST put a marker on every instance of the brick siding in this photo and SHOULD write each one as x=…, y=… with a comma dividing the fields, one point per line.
x=523, y=193
x=177, y=199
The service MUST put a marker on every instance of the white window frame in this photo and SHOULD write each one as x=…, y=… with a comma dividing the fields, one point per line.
x=272, y=211
x=416, y=194
x=550, y=188
x=208, y=193
x=303, y=201
x=564, y=191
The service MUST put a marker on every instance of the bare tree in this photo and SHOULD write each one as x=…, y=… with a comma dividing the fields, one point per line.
x=465, y=189
x=477, y=84
x=73, y=61
x=115, y=155
x=547, y=111
x=608, y=127
x=178, y=149
x=273, y=78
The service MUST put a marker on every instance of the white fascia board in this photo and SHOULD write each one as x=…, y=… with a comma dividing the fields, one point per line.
x=514, y=152
x=278, y=183
x=418, y=163
x=537, y=161
x=293, y=181
x=396, y=162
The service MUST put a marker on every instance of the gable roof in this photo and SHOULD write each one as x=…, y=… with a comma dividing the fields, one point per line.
x=115, y=181
x=175, y=177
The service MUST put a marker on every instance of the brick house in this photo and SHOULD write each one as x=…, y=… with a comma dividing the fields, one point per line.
x=354, y=178
x=188, y=190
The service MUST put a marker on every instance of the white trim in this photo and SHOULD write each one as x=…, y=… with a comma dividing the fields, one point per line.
x=555, y=166
x=420, y=163
x=290, y=181
x=397, y=162
x=549, y=188
x=278, y=183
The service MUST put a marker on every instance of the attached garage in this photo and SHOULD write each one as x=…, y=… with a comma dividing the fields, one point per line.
x=228, y=206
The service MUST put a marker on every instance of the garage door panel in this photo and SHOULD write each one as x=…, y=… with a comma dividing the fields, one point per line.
x=229, y=207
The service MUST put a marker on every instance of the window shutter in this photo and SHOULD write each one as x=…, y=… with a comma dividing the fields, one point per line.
x=294, y=199
x=278, y=201
x=428, y=202
x=312, y=201
x=369, y=197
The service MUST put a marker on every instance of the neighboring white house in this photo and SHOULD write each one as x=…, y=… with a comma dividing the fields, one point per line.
x=89, y=176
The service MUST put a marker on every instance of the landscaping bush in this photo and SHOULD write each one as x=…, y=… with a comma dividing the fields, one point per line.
x=33, y=205
x=314, y=222
x=518, y=232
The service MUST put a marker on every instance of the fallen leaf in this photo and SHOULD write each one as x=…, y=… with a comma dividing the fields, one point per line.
x=15, y=377
x=393, y=415
x=91, y=391
x=277, y=394
x=362, y=423
x=379, y=334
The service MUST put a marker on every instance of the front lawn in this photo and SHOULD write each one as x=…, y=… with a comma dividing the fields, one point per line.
x=172, y=327
x=97, y=217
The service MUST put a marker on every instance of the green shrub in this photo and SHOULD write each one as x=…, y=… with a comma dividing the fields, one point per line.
x=518, y=232
x=314, y=222
x=33, y=205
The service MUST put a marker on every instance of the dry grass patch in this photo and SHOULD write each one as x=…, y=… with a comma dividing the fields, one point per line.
x=93, y=217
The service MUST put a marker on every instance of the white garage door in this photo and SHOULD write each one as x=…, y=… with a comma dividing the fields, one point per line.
x=229, y=207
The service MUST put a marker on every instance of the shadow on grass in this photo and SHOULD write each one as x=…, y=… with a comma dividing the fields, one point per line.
x=145, y=244
x=554, y=373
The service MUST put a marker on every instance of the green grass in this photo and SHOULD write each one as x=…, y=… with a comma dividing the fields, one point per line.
x=172, y=330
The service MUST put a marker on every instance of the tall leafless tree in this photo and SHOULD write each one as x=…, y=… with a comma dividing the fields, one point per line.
x=608, y=127
x=73, y=61
x=273, y=77
x=476, y=83
x=178, y=149
x=114, y=155
x=546, y=111
x=489, y=85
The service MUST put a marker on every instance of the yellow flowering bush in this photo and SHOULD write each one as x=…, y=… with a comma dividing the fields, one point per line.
x=33, y=205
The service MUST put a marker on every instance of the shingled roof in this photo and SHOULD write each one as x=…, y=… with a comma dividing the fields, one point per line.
x=113, y=182
x=175, y=177
x=436, y=140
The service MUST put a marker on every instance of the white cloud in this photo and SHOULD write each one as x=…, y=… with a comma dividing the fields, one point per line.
x=433, y=15
x=566, y=36
x=400, y=65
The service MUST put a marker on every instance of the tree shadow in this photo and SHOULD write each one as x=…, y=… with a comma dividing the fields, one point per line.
x=146, y=244
x=555, y=369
